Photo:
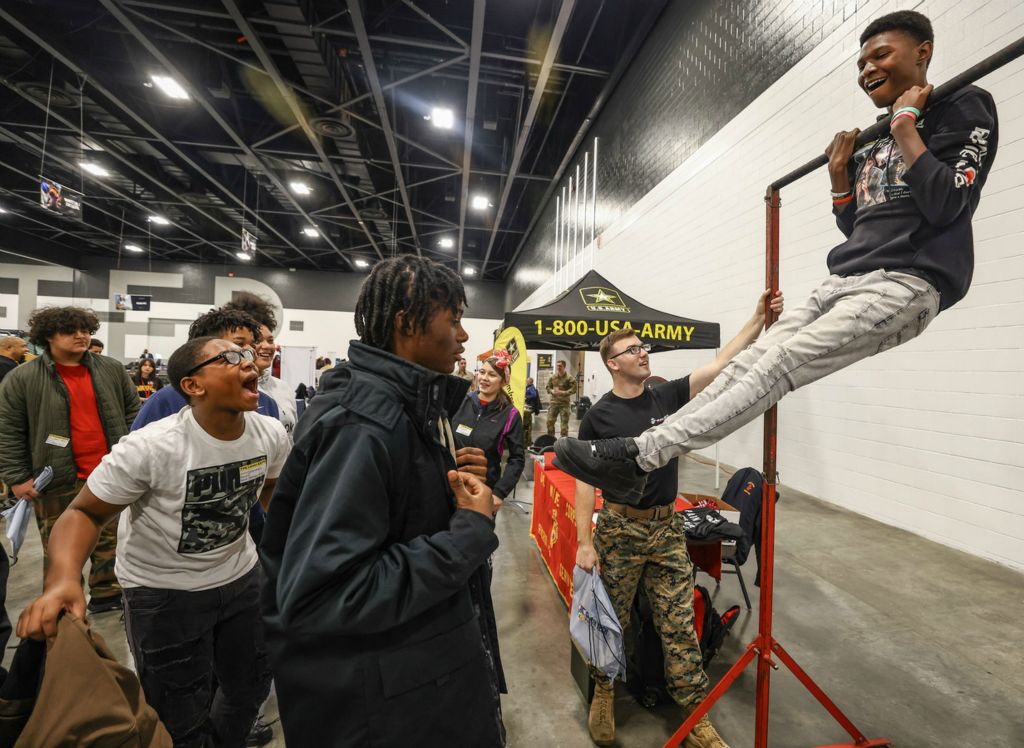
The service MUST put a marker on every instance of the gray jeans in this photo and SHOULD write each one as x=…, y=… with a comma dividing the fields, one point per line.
x=844, y=321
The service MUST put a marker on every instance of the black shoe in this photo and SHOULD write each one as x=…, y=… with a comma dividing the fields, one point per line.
x=260, y=734
x=105, y=604
x=608, y=464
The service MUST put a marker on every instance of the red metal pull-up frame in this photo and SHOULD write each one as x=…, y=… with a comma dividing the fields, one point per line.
x=764, y=646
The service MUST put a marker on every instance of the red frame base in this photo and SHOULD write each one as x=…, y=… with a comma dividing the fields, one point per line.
x=765, y=647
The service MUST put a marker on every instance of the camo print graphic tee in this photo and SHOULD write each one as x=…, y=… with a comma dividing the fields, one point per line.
x=188, y=497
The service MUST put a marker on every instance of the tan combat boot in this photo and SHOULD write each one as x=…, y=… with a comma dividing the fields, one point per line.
x=602, y=712
x=704, y=735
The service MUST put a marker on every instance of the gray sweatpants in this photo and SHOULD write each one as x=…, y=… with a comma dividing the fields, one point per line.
x=844, y=321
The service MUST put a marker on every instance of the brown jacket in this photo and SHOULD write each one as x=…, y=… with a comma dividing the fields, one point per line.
x=86, y=698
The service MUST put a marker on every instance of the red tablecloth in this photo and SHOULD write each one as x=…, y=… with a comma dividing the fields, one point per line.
x=553, y=529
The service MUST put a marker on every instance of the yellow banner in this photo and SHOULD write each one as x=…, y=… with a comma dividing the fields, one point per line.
x=511, y=340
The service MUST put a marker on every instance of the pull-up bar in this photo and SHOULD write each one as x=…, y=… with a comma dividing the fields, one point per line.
x=1007, y=54
x=764, y=647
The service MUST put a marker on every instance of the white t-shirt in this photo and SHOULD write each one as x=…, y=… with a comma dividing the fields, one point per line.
x=284, y=396
x=188, y=496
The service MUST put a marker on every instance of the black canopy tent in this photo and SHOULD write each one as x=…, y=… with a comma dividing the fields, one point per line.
x=579, y=318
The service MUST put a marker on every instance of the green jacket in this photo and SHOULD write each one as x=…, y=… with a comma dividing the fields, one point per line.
x=34, y=403
x=565, y=382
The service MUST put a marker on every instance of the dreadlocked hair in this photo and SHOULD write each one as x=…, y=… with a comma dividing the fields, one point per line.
x=260, y=309
x=414, y=285
x=218, y=322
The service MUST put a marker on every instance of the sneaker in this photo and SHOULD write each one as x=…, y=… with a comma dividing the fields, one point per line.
x=602, y=713
x=608, y=464
x=260, y=734
x=704, y=735
x=105, y=604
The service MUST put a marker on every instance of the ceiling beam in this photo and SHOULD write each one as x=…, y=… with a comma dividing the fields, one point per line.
x=138, y=168
x=147, y=127
x=435, y=23
x=270, y=69
x=475, y=49
x=355, y=10
x=643, y=28
x=440, y=47
x=92, y=206
x=200, y=99
x=362, y=97
x=557, y=34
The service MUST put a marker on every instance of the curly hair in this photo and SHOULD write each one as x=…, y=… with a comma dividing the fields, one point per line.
x=260, y=309
x=217, y=322
x=47, y=321
x=415, y=285
x=915, y=25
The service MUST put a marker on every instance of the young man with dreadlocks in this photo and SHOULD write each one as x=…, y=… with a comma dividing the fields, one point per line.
x=375, y=546
x=904, y=202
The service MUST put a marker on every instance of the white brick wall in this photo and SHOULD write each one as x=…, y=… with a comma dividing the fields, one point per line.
x=929, y=436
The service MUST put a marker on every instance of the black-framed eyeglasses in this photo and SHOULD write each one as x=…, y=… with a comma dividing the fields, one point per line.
x=633, y=350
x=231, y=358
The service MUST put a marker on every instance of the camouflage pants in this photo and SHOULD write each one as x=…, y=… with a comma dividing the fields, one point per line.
x=102, y=582
x=527, y=427
x=632, y=551
x=556, y=408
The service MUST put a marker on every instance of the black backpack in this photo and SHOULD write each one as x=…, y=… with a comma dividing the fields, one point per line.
x=645, y=660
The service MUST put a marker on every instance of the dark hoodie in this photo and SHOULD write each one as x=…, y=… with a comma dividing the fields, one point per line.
x=375, y=597
x=918, y=220
x=495, y=428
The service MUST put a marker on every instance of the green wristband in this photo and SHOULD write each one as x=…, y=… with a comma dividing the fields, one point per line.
x=913, y=109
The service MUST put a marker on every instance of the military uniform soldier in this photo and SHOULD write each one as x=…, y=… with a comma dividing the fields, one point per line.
x=561, y=387
x=640, y=540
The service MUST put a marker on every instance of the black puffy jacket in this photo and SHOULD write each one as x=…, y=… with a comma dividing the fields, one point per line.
x=373, y=577
x=496, y=429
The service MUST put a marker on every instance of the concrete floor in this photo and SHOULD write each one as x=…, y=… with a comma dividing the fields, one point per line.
x=916, y=642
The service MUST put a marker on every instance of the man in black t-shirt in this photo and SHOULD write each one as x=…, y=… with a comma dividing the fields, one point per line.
x=643, y=539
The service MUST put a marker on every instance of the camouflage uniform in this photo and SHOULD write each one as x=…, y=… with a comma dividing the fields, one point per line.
x=102, y=582
x=527, y=426
x=560, y=403
x=654, y=551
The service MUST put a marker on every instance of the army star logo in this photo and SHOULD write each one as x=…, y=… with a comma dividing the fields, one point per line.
x=600, y=299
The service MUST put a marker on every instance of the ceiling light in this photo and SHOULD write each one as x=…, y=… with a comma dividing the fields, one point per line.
x=243, y=256
x=3, y=210
x=469, y=271
x=442, y=117
x=480, y=202
x=133, y=248
x=311, y=231
x=95, y=169
x=300, y=188
x=362, y=264
x=446, y=242
x=169, y=86
x=159, y=220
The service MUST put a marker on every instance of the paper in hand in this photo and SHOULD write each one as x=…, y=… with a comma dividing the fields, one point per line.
x=17, y=518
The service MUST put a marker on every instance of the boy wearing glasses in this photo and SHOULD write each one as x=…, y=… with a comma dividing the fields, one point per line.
x=640, y=538
x=187, y=565
x=233, y=325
